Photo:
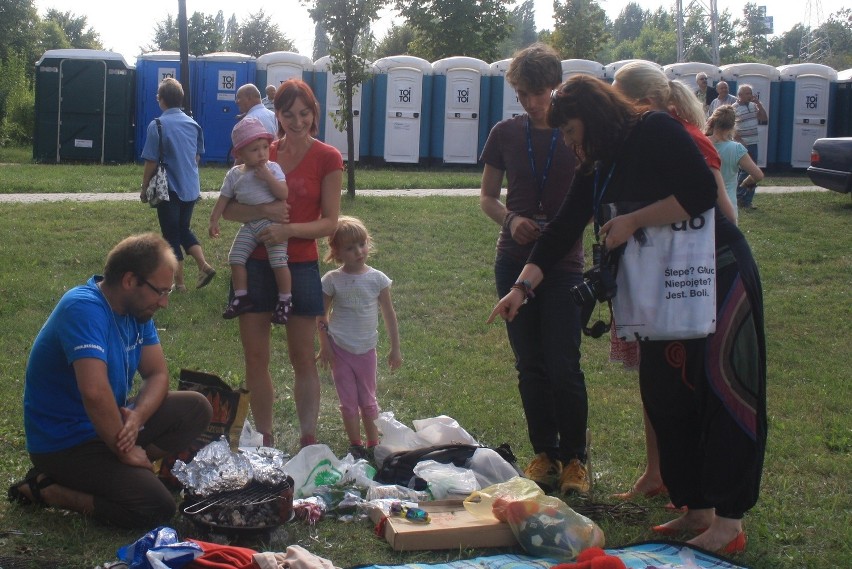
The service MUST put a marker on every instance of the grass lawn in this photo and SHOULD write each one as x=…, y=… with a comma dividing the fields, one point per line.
x=439, y=251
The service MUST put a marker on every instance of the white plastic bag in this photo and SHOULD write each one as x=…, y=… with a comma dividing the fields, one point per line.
x=396, y=437
x=445, y=479
x=314, y=466
x=442, y=430
x=491, y=468
x=250, y=437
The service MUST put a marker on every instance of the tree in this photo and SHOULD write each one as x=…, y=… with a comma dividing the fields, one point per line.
x=629, y=23
x=751, y=33
x=396, y=41
x=447, y=28
x=258, y=35
x=76, y=29
x=522, y=22
x=348, y=25
x=203, y=34
x=19, y=30
x=52, y=36
x=232, y=31
x=321, y=41
x=580, y=28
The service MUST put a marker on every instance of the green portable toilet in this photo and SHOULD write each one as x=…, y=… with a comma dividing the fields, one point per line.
x=84, y=107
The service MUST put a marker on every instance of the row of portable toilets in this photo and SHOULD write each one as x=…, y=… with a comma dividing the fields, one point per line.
x=93, y=106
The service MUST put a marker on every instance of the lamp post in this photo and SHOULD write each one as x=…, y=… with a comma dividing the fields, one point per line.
x=183, y=38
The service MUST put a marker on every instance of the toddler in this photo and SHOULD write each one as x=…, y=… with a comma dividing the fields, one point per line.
x=353, y=294
x=254, y=181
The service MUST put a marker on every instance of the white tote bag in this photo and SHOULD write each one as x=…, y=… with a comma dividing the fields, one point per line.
x=667, y=282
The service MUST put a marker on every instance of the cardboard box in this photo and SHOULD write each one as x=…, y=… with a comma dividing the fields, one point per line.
x=452, y=527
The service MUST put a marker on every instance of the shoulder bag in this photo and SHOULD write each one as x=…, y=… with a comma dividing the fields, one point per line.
x=158, y=187
x=667, y=282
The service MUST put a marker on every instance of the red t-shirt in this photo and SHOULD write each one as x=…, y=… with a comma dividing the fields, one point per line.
x=304, y=185
x=705, y=145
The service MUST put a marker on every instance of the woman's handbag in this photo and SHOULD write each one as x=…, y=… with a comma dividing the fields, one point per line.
x=158, y=187
x=667, y=282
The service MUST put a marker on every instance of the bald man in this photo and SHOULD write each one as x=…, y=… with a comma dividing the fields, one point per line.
x=248, y=101
x=724, y=97
x=269, y=100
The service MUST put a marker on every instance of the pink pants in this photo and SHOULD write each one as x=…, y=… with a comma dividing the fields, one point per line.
x=355, y=379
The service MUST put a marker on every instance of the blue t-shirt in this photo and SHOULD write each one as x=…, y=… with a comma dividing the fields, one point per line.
x=81, y=326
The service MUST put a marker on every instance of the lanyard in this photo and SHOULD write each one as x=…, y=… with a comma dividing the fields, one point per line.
x=599, y=194
x=544, y=175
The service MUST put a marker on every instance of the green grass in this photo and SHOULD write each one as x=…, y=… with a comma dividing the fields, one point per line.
x=19, y=174
x=440, y=251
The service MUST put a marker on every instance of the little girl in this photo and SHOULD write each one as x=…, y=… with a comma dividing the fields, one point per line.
x=254, y=181
x=353, y=294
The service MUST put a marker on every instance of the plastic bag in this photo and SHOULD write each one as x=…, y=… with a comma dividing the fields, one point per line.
x=548, y=527
x=159, y=549
x=491, y=468
x=442, y=430
x=491, y=502
x=313, y=466
x=250, y=437
x=396, y=437
x=445, y=479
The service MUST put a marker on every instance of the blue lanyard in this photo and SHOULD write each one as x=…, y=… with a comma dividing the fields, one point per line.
x=544, y=175
x=599, y=194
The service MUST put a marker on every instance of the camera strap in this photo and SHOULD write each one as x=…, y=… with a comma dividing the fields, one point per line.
x=599, y=194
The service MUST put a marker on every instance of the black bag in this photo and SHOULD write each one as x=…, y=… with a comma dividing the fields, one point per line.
x=398, y=468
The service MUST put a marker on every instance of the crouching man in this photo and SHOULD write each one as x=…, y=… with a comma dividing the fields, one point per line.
x=91, y=443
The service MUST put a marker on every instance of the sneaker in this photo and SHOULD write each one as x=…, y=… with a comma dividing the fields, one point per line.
x=239, y=305
x=575, y=478
x=544, y=471
x=282, y=311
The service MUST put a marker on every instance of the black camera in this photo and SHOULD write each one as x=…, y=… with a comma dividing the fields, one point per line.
x=598, y=282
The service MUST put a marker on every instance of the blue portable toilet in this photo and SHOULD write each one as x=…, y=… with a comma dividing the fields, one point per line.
x=611, y=68
x=804, y=109
x=84, y=106
x=402, y=99
x=504, y=100
x=277, y=66
x=151, y=69
x=460, y=101
x=571, y=67
x=218, y=77
x=841, y=115
x=331, y=105
x=764, y=82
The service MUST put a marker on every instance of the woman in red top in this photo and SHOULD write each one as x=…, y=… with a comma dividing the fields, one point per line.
x=314, y=173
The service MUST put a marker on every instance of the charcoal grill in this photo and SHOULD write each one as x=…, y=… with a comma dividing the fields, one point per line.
x=264, y=508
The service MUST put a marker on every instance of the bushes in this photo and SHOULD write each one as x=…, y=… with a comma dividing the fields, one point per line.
x=17, y=102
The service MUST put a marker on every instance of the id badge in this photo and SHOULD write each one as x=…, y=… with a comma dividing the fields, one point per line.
x=541, y=219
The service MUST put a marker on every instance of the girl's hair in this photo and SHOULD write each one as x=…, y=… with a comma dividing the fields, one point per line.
x=535, y=68
x=724, y=118
x=607, y=117
x=170, y=92
x=644, y=80
x=349, y=230
x=286, y=95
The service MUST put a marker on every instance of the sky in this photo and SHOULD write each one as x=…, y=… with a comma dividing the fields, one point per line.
x=124, y=30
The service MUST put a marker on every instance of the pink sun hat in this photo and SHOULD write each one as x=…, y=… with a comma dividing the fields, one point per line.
x=247, y=131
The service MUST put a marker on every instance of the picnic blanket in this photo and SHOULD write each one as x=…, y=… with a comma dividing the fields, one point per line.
x=660, y=554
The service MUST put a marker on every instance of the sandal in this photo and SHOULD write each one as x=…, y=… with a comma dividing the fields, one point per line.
x=14, y=494
x=205, y=277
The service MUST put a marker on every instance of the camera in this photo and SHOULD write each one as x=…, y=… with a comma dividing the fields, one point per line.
x=598, y=282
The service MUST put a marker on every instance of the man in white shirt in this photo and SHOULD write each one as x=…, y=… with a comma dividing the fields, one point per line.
x=724, y=98
x=248, y=101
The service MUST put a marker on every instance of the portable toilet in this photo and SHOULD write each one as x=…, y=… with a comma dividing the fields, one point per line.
x=572, y=67
x=218, y=77
x=504, y=100
x=84, y=106
x=804, y=106
x=331, y=104
x=151, y=69
x=402, y=99
x=276, y=67
x=460, y=101
x=611, y=68
x=764, y=83
x=841, y=116
x=686, y=71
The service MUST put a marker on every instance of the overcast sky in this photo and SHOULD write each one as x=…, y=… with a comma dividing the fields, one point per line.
x=124, y=30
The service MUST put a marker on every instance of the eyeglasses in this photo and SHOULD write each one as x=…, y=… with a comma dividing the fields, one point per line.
x=704, y=79
x=161, y=293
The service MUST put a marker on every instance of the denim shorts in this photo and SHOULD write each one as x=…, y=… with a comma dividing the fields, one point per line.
x=263, y=290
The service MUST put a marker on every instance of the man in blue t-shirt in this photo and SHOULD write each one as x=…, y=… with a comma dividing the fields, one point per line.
x=92, y=439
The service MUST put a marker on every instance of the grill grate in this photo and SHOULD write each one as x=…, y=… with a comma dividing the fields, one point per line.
x=251, y=495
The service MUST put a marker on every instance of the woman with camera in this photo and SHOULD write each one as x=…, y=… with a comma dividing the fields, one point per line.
x=706, y=398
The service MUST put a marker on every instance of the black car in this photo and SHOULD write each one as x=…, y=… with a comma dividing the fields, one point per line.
x=831, y=164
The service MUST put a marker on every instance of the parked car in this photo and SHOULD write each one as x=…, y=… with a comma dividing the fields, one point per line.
x=831, y=164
